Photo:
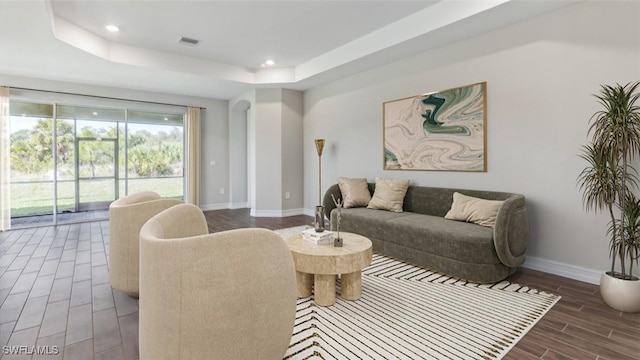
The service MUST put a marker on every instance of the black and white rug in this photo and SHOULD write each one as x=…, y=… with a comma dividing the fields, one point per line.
x=407, y=312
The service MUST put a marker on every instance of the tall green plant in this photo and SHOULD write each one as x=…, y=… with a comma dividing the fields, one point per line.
x=608, y=180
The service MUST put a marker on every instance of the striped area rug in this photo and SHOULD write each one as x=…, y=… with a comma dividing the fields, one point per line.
x=407, y=312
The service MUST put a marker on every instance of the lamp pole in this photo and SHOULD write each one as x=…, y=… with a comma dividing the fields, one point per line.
x=320, y=179
x=319, y=225
x=319, y=149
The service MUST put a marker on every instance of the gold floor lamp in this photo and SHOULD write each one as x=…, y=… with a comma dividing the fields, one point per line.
x=319, y=219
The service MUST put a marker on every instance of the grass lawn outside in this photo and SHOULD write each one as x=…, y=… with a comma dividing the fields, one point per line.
x=36, y=198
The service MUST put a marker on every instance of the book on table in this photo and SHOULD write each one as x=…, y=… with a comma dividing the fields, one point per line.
x=317, y=235
x=323, y=241
x=325, y=237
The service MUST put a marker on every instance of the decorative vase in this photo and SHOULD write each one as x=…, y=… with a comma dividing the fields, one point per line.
x=621, y=295
x=319, y=222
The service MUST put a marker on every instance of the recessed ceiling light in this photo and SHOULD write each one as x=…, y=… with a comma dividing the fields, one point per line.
x=112, y=28
x=267, y=63
x=166, y=119
x=95, y=113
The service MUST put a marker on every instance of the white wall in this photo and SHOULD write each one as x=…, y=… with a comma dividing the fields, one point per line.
x=247, y=100
x=238, y=155
x=268, y=129
x=292, y=157
x=275, y=151
x=540, y=76
x=215, y=147
x=214, y=123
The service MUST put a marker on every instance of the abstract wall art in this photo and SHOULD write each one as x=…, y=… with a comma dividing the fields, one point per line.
x=443, y=130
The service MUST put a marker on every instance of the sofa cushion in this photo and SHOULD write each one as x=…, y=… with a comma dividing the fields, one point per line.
x=447, y=238
x=363, y=221
x=452, y=239
x=478, y=211
x=389, y=194
x=355, y=192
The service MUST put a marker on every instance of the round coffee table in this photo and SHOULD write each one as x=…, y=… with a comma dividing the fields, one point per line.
x=319, y=265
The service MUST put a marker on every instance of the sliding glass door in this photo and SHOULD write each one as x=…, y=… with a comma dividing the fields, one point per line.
x=100, y=155
x=32, y=163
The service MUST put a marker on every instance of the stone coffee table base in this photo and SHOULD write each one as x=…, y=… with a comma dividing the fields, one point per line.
x=325, y=287
x=318, y=265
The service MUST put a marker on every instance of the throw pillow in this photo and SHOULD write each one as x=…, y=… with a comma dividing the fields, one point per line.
x=389, y=194
x=355, y=192
x=478, y=211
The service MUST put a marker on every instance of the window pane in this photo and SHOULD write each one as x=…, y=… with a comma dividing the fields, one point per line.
x=100, y=154
x=122, y=174
x=89, y=113
x=156, y=153
x=66, y=185
x=32, y=171
x=143, y=117
x=25, y=109
x=97, y=190
x=170, y=187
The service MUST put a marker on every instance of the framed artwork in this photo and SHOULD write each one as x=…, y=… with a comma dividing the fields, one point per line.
x=441, y=131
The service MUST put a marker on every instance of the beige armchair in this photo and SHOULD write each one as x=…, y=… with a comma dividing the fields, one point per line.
x=226, y=295
x=126, y=217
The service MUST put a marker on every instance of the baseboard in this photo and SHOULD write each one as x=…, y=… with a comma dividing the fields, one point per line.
x=223, y=206
x=292, y=212
x=241, y=205
x=276, y=213
x=220, y=206
x=258, y=213
x=566, y=270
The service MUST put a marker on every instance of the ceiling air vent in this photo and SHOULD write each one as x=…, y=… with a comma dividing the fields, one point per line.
x=188, y=41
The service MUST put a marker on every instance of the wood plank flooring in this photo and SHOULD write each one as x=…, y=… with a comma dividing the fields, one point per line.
x=55, y=295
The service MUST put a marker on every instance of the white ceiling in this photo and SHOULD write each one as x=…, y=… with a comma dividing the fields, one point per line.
x=312, y=42
x=240, y=33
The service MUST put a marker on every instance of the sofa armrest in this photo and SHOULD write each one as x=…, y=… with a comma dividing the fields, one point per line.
x=511, y=233
x=327, y=201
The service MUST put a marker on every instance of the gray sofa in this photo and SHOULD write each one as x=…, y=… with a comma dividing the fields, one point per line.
x=422, y=236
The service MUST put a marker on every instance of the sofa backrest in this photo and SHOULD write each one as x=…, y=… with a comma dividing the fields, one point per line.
x=423, y=200
x=437, y=201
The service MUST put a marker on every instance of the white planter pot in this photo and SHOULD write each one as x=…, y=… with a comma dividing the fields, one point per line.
x=622, y=295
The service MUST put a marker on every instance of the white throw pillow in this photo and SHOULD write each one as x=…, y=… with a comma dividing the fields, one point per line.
x=389, y=194
x=470, y=209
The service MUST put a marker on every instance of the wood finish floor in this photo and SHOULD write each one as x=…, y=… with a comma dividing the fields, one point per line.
x=55, y=293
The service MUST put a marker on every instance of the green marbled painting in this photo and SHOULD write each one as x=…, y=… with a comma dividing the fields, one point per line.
x=443, y=130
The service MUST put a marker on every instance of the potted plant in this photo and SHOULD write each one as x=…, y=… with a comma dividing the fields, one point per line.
x=607, y=184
